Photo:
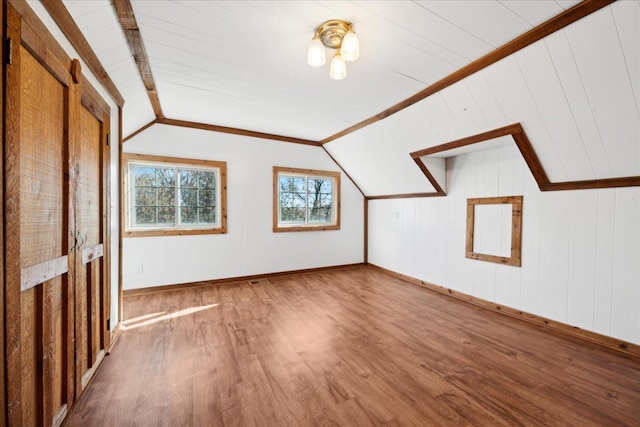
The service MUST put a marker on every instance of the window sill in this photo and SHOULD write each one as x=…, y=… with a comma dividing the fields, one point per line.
x=173, y=232
x=277, y=229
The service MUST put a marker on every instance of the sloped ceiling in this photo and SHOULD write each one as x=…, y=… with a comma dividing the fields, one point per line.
x=243, y=65
x=576, y=93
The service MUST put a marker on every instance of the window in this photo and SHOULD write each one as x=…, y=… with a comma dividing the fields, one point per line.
x=170, y=196
x=305, y=200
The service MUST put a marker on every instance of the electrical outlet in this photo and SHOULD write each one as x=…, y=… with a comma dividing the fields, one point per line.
x=397, y=215
x=138, y=269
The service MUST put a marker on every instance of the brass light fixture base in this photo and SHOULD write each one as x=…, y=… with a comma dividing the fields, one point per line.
x=332, y=32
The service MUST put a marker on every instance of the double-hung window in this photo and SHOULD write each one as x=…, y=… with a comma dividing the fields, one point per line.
x=172, y=196
x=305, y=200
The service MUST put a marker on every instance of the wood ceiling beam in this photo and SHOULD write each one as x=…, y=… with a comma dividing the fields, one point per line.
x=63, y=19
x=129, y=24
x=236, y=131
x=554, y=24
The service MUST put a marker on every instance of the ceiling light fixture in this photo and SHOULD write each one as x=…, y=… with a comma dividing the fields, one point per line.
x=339, y=35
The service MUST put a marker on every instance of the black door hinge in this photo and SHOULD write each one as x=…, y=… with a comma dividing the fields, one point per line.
x=108, y=324
x=9, y=53
x=108, y=139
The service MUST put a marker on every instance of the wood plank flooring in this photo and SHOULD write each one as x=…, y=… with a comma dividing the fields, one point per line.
x=351, y=347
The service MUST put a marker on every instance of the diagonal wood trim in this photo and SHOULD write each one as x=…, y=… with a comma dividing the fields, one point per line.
x=473, y=139
x=63, y=19
x=404, y=196
x=554, y=24
x=36, y=274
x=528, y=153
x=142, y=129
x=132, y=32
x=235, y=131
x=614, y=344
x=343, y=171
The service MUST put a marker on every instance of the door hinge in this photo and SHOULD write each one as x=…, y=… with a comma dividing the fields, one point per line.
x=9, y=54
x=108, y=139
x=108, y=324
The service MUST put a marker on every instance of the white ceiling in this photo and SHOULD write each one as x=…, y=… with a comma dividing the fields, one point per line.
x=243, y=63
x=576, y=94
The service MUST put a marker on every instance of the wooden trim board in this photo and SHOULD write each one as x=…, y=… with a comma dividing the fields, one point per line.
x=216, y=282
x=127, y=19
x=516, y=230
x=65, y=21
x=521, y=140
x=235, y=131
x=611, y=343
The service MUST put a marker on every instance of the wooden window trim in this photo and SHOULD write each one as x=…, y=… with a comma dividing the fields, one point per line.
x=277, y=170
x=516, y=229
x=131, y=157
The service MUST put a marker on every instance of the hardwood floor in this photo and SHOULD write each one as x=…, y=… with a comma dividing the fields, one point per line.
x=348, y=347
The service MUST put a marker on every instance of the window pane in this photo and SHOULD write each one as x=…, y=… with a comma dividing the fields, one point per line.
x=206, y=197
x=291, y=215
x=166, y=197
x=189, y=215
x=320, y=200
x=188, y=179
x=145, y=196
x=144, y=176
x=145, y=216
x=165, y=177
x=188, y=197
x=207, y=215
x=206, y=179
x=169, y=196
x=167, y=216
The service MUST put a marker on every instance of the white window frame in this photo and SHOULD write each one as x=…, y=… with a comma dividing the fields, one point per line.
x=133, y=230
x=278, y=226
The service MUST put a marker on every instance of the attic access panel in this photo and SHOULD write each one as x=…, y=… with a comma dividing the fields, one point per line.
x=486, y=220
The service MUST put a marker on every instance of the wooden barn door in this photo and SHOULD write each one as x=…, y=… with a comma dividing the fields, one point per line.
x=91, y=292
x=55, y=207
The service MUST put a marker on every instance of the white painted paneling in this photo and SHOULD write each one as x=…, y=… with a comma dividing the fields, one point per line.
x=626, y=269
x=548, y=95
x=580, y=249
x=490, y=22
x=581, y=111
x=250, y=246
x=627, y=19
x=533, y=12
x=604, y=73
x=573, y=92
x=605, y=237
x=582, y=258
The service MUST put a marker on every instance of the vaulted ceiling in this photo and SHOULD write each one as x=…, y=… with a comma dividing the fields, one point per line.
x=242, y=64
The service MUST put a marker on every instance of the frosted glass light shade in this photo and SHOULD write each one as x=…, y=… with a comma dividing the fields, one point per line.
x=315, y=54
x=338, y=70
x=350, y=47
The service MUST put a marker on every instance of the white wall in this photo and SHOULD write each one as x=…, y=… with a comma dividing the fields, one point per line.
x=250, y=246
x=580, y=249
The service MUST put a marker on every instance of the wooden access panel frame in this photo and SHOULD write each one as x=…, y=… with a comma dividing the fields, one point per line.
x=516, y=229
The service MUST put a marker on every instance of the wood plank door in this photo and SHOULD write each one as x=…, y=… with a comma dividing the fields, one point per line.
x=56, y=173
x=39, y=266
x=91, y=284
